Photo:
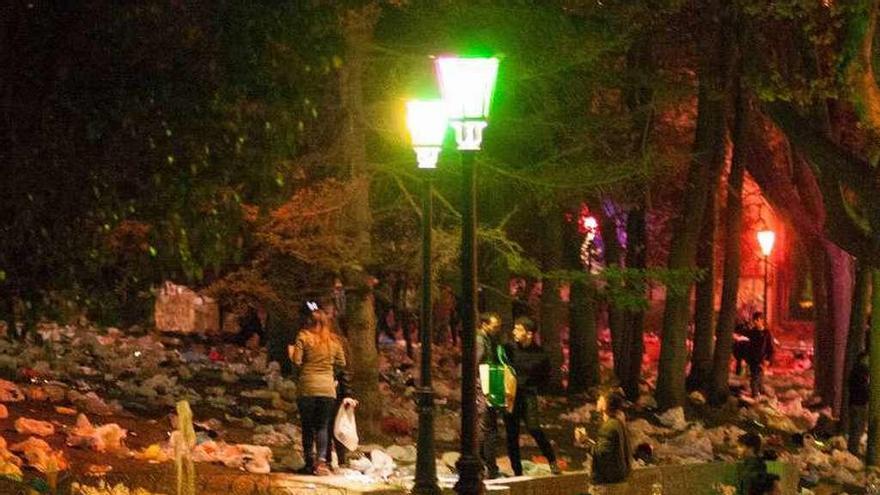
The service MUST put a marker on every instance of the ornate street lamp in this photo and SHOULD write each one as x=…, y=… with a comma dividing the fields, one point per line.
x=766, y=239
x=427, y=124
x=466, y=85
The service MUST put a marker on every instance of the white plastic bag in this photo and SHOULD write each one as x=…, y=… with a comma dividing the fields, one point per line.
x=345, y=428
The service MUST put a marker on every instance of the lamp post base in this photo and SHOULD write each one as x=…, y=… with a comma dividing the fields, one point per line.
x=426, y=464
x=470, y=476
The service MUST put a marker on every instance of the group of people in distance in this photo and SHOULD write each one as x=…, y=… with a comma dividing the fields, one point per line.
x=612, y=454
x=319, y=355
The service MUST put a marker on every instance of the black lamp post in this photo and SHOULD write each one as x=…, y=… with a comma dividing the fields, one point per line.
x=427, y=124
x=466, y=85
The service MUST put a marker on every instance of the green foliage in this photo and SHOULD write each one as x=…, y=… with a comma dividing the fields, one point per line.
x=148, y=137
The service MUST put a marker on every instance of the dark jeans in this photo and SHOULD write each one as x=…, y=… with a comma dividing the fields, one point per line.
x=525, y=410
x=858, y=419
x=334, y=443
x=488, y=434
x=314, y=413
x=756, y=379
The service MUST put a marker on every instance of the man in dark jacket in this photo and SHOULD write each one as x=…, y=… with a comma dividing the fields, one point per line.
x=752, y=468
x=759, y=350
x=859, y=381
x=532, y=366
x=612, y=456
x=488, y=343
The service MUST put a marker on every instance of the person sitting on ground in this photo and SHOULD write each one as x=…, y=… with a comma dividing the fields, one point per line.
x=759, y=351
x=316, y=353
x=532, y=367
x=859, y=391
x=612, y=456
x=753, y=466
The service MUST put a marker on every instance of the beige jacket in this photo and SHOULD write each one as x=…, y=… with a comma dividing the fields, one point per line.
x=316, y=364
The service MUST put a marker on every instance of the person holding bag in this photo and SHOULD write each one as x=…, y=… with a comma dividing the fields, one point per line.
x=345, y=404
x=315, y=355
x=488, y=346
x=531, y=364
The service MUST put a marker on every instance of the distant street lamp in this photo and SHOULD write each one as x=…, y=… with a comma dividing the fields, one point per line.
x=466, y=85
x=766, y=239
x=427, y=124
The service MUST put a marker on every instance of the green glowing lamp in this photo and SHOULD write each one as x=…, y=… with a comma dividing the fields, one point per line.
x=427, y=123
x=466, y=85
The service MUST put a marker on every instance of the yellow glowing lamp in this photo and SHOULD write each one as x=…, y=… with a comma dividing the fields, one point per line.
x=467, y=85
x=766, y=239
x=426, y=121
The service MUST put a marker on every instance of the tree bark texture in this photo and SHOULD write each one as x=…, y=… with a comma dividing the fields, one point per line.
x=840, y=299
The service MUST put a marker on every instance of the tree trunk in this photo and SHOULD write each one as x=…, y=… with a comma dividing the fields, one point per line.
x=822, y=339
x=709, y=149
x=719, y=388
x=855, y=341
x=873, y=457
x=357, y=32
x=840, y=298
x=704, y=301
x=616, y=317
x=552, y=310
x=364, y=363
x=636, y=258
x=583, y=341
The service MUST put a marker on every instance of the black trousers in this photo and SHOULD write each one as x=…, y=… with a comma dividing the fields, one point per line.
x=333, y=443
x=488, y=434
x=525, y=410
x=314, y=413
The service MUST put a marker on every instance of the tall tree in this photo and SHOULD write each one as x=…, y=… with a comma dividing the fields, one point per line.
x=708, y=158
x=704, y=300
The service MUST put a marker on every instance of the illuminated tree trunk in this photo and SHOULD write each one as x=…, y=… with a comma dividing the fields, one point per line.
x=704, y=302
x=707, y=162
x=357, y=31
x=552, y=310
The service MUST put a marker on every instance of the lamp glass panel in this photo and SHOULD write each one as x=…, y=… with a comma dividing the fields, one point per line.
x=426, y=121
x=467, y=85
x=766, y=239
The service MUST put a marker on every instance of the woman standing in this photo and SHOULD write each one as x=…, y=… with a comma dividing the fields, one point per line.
x=316, y=353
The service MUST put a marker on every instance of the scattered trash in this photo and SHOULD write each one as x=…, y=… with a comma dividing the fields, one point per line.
x=104, y=438
x=27, y=426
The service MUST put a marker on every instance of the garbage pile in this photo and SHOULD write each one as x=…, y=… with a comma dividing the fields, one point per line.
x=93, y=378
